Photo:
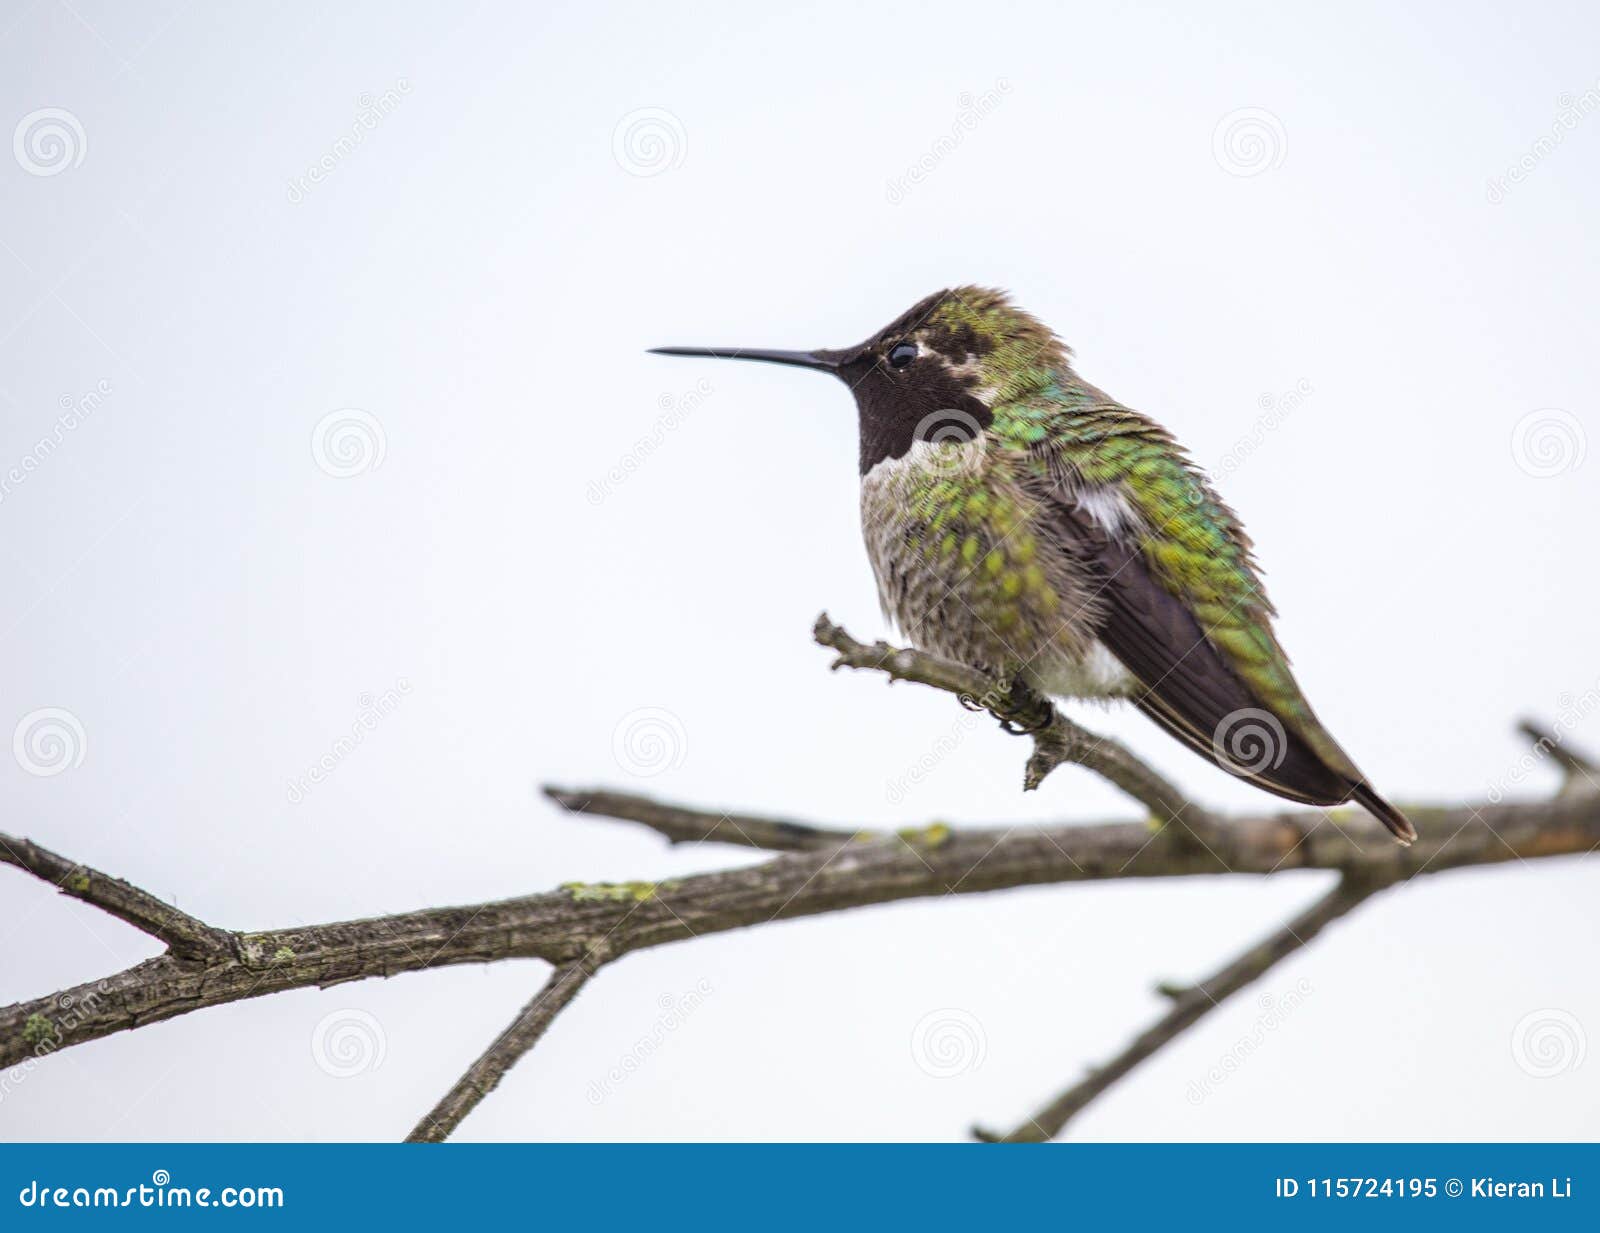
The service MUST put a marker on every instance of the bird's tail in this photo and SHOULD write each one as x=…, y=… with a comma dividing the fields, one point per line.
x=1386, y=813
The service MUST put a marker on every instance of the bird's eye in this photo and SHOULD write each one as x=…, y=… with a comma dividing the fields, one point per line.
x=902, y=354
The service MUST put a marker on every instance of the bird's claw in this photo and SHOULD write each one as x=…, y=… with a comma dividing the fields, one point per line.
x=1027, y=712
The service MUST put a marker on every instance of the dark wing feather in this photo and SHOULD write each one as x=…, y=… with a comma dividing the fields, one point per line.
x=1188, y=687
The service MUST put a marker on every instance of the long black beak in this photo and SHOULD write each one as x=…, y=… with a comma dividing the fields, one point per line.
x=820, y=360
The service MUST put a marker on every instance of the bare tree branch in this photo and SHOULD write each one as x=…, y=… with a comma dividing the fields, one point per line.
x=682, y=825
x=581, y=926
x=1056, y=739
x=566, y=925
x=1189, y=1006
x=484, y=1075
x=1578, y=772
x=185, y=937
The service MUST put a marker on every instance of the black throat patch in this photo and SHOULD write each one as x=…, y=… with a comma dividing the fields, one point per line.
x=933, y=399
x=897, y=409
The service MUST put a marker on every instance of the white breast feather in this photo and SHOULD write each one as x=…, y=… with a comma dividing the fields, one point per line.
x=1109, y=509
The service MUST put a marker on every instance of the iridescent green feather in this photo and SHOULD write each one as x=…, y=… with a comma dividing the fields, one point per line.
x=1189, y=540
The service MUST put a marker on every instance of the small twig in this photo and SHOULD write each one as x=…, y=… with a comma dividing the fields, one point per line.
x=681, y=825
x=1191, y=1004
x=1578, y=772
x=562, y=926
x=184, y=935
x=584, y=923
x=1021, y=710
x=484, y=1075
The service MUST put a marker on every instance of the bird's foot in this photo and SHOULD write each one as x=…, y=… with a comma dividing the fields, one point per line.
x=1022, y=711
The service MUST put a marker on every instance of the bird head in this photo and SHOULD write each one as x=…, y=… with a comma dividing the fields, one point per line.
x=934, y=374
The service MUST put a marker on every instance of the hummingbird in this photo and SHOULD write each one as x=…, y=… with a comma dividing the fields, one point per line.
x=1026, y=524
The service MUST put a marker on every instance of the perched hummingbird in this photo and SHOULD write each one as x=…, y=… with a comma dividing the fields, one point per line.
x=1024, y=523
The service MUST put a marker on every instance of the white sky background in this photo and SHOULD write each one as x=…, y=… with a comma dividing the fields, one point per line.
x=482, y=276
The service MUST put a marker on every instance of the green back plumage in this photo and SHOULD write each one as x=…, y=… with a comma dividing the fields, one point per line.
x=1048, y=421
x=1018, y=519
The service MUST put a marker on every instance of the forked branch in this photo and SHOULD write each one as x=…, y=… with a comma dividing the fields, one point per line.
x=1189, y=1006
x=484, y=1075
x=579, y=927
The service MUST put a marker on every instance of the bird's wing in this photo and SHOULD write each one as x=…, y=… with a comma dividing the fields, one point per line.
x=1181, y=603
